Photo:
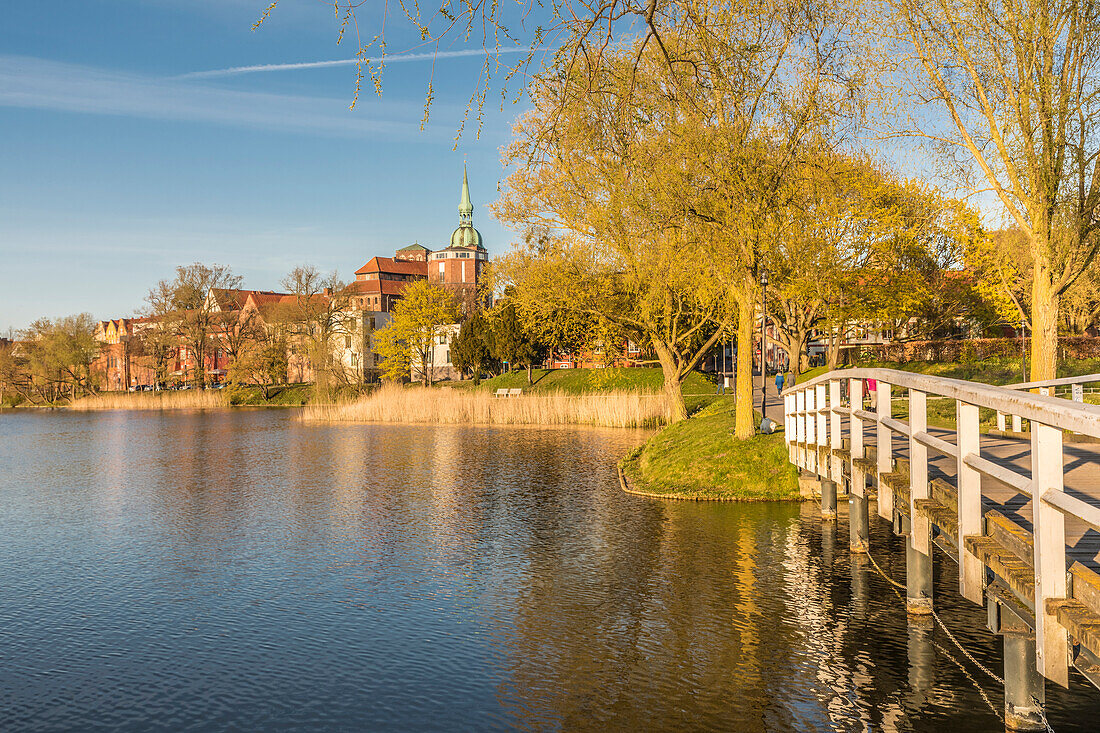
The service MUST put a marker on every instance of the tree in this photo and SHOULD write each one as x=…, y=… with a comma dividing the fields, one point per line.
x=241, y=333
x=470, y=348
x=1016, y=92
x=183, y=307
x=406, y=343
x=865, y=247
x=262, y=361
x=320, y=315
x=510, y=341
x=56, y=359
x=590, y=161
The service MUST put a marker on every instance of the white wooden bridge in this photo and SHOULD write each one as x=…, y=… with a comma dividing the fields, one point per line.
x=1019, y=512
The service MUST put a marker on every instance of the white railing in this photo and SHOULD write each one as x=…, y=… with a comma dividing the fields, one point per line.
x=807, y=411
x=1046, y=387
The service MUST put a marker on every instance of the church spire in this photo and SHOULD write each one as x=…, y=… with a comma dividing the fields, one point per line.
x=465, y=208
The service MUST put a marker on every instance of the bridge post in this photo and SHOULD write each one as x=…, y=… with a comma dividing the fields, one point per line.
x=1017, y=424
x=884, y=450
x=918, y=471
x=800, y=426
x=1000, y=421
x=918, y=574
x=822, y=431
x=1024, y=694
x=811, y=431
x=969, y=480
x=828, y=499
x=858, y=520
x=835, y=428
x=1051, y=638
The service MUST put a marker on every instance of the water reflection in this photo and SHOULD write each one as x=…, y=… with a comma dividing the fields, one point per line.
x=242, y=570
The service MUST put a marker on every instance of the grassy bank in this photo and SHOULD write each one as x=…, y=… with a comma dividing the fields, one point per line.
x=167, y=400
x=988, y=371
x=699, y=458
x=291, y=395
x=397, y=404
x=699, y=388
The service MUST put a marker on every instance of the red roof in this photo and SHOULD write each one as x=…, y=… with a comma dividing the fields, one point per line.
x=378, y=287
x=395, y=267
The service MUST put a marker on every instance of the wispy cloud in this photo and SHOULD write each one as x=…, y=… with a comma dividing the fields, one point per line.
x=35, y=83
x=394, y=59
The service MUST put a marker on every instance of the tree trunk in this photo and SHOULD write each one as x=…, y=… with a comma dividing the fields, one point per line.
x=674, y=391
x=745, y=423
x=530, y=379
x=834, y=348
x=796, y=357
x=1044, y=325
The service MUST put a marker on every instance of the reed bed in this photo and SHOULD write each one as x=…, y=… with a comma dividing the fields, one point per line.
x=395, y=404
x=167, y=400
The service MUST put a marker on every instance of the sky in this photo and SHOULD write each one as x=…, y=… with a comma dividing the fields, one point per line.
x=132, y=142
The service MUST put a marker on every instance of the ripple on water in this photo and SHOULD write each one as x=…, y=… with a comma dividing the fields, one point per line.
x=241, y=570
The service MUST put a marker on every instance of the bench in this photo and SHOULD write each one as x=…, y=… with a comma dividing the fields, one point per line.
x=514, y=392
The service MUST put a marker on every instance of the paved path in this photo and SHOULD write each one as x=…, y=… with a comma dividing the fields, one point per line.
x=1082, y=480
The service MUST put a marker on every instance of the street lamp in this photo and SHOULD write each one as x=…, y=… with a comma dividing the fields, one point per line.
x=766, y=425
x=1023, y=352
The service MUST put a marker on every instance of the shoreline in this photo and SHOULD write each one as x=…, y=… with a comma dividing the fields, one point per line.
x=624, y=484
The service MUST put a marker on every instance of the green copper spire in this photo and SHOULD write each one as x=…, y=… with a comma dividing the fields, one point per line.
x=465, y=208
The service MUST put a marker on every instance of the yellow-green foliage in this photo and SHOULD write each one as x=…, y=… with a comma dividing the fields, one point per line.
x=700, y=458
x=171, y=400
x=395, y=404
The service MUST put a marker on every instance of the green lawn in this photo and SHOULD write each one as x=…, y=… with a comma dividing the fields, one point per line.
x=291, y=395
x=580, y=381
x=989, y=371
x=699, y=458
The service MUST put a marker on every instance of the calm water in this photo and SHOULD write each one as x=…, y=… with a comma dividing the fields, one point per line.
x=240, y=570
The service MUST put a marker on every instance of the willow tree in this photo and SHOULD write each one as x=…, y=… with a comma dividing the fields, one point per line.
x=590, y=162
x=864, y=247
x=407, y=343
x=762, y=88
x=1014, y=88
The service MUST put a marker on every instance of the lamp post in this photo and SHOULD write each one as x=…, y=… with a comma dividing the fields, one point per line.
x=1023, y=351
x=763, y=348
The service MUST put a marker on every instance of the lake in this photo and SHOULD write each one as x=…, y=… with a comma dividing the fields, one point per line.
x=242, y=570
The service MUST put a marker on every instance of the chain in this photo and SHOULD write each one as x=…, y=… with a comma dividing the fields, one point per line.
x=881, y=572
x=978, y=687
x=967, y=654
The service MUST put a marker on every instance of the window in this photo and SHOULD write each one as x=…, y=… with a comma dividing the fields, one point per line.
x=447, y=356
x=347, y=342
x=441, y=269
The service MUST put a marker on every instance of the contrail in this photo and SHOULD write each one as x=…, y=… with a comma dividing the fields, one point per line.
x=396, y=58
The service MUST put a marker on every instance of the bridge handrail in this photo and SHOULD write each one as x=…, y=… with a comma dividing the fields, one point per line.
x=1074, y=416
x=813, y=416
x=1060, y=382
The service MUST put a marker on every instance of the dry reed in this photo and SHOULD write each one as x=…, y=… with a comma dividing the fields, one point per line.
x=395, y=404
x=167, y=400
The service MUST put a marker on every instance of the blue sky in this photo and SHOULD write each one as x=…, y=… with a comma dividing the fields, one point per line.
x=113, y=170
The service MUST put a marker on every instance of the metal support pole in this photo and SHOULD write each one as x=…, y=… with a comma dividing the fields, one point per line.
x=1024, y=694
x=828, y=499
x=918, y=575
x=922, y=656
x=858, y=522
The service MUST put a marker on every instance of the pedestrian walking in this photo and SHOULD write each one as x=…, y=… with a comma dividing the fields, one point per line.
x=779, y=383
